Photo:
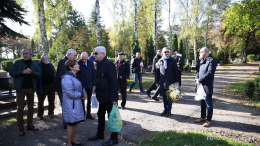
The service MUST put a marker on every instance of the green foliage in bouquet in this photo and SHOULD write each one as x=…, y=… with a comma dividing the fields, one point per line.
x=174, y=93
x=249, y=89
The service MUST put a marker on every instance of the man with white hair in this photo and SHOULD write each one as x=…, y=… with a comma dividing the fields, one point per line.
x=166, y=74
x=45, y=86
x=87, y=76
x=205, y=77
x=61, y=70
x=106, y=92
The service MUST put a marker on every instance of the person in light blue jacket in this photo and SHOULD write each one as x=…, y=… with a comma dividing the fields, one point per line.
x=92, y=57
x=73, y=101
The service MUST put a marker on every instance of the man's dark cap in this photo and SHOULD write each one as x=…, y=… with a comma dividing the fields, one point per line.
x=174, y=50
x=121, y=53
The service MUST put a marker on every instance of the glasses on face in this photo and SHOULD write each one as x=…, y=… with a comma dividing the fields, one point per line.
x=166, y=52
x=201, y=51
x=96, y=53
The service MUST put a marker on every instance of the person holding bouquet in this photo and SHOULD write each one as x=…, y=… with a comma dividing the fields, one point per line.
x=166, y=74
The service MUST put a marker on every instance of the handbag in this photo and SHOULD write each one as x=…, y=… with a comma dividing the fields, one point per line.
x=94, y=100
x=115, y=122
x=200, y=95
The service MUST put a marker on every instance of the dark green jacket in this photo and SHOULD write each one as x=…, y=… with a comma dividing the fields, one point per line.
x=17, y=72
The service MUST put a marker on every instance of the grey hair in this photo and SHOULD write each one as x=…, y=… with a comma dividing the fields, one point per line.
x=165, y=48
x=205, y=49
x=44, y=56
x=102, y=49
x=70, y=51
x=83, y=54
x=29, y=51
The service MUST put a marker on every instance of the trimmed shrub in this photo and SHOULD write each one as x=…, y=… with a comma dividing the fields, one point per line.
x=251, y=57
x=257, y=83
x=249, y=89
x=7, y=65
x=36, y=60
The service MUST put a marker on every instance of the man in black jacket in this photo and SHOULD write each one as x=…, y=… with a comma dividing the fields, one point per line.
x=87, y=75
x=106, y=92
x=155, y=60
x=205, y=77
x=71, y=54
x=136, y=68
x=179, y=60
x=123, y=71
x=166, y=74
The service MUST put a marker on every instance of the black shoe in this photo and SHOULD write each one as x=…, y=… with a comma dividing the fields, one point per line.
x=130, y=90
x=123, y=107
x=90, y=117
x=74, y=144
x=110, y=142
x=32, y=128
x=21, y=132
x=142, y=91
x=155, y=98
x=96, y=137
x=148, y=94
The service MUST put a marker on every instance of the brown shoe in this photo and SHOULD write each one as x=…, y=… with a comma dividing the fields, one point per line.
x=21, y=132
x=207, y=123
x=40, y=117
x=31, y=127
x=168, y=114
x=163, y=113
x=200, y=120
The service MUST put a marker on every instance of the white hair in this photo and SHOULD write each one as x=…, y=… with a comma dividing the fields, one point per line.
x=101, y=48
x=44, y=56
x=205, y=49
x=70, y=51
x=29, y=51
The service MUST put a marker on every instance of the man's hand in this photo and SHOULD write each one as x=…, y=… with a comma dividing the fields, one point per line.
x=28, y=71
x=197, y=81
x=114, y=102
x=25, y=71
x=94, y=87
x=83, y=98
x=120, y=77
x=177, y=83
x=157, y=84
x=85, y=95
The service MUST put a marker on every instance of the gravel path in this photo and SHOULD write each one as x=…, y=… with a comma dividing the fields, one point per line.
x=142, y=117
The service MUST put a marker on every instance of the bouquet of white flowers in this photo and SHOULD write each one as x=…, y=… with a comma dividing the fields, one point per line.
x=174, y=93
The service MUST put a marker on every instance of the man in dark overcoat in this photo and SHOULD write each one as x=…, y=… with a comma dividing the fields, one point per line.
x=87, y=75
x=166, y=74
x=106, y=92
x=205, y=77
x=123, y=71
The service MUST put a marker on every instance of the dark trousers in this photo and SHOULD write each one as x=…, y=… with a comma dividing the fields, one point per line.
x=50, y=92
x=123, y=93
x=153, y=87
x=167, y=105
x=89, y=94
x=29, y=93
x=207, y=104
x=179, y=72
x=102, y=109
x=60, y=94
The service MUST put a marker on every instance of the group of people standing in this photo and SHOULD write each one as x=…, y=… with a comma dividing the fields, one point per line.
x=75, y=80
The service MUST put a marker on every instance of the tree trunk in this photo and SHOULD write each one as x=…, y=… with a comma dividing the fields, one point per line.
x=170, y=25
x=155, y=26
x=186, y=44
x=206, y=37
x=195, y=52
x=135, y=19
x=42, y=22
x=98, y=23
x=245, y=50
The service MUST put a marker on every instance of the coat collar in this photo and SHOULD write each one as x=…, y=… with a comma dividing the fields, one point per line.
x=207, y=58
x=104, y=60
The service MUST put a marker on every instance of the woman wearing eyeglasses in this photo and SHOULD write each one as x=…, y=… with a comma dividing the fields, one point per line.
x=73, y=101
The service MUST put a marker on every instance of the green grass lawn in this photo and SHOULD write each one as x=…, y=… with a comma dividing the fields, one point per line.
x=173, y=138
x=146, y=84
x=239, y=87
